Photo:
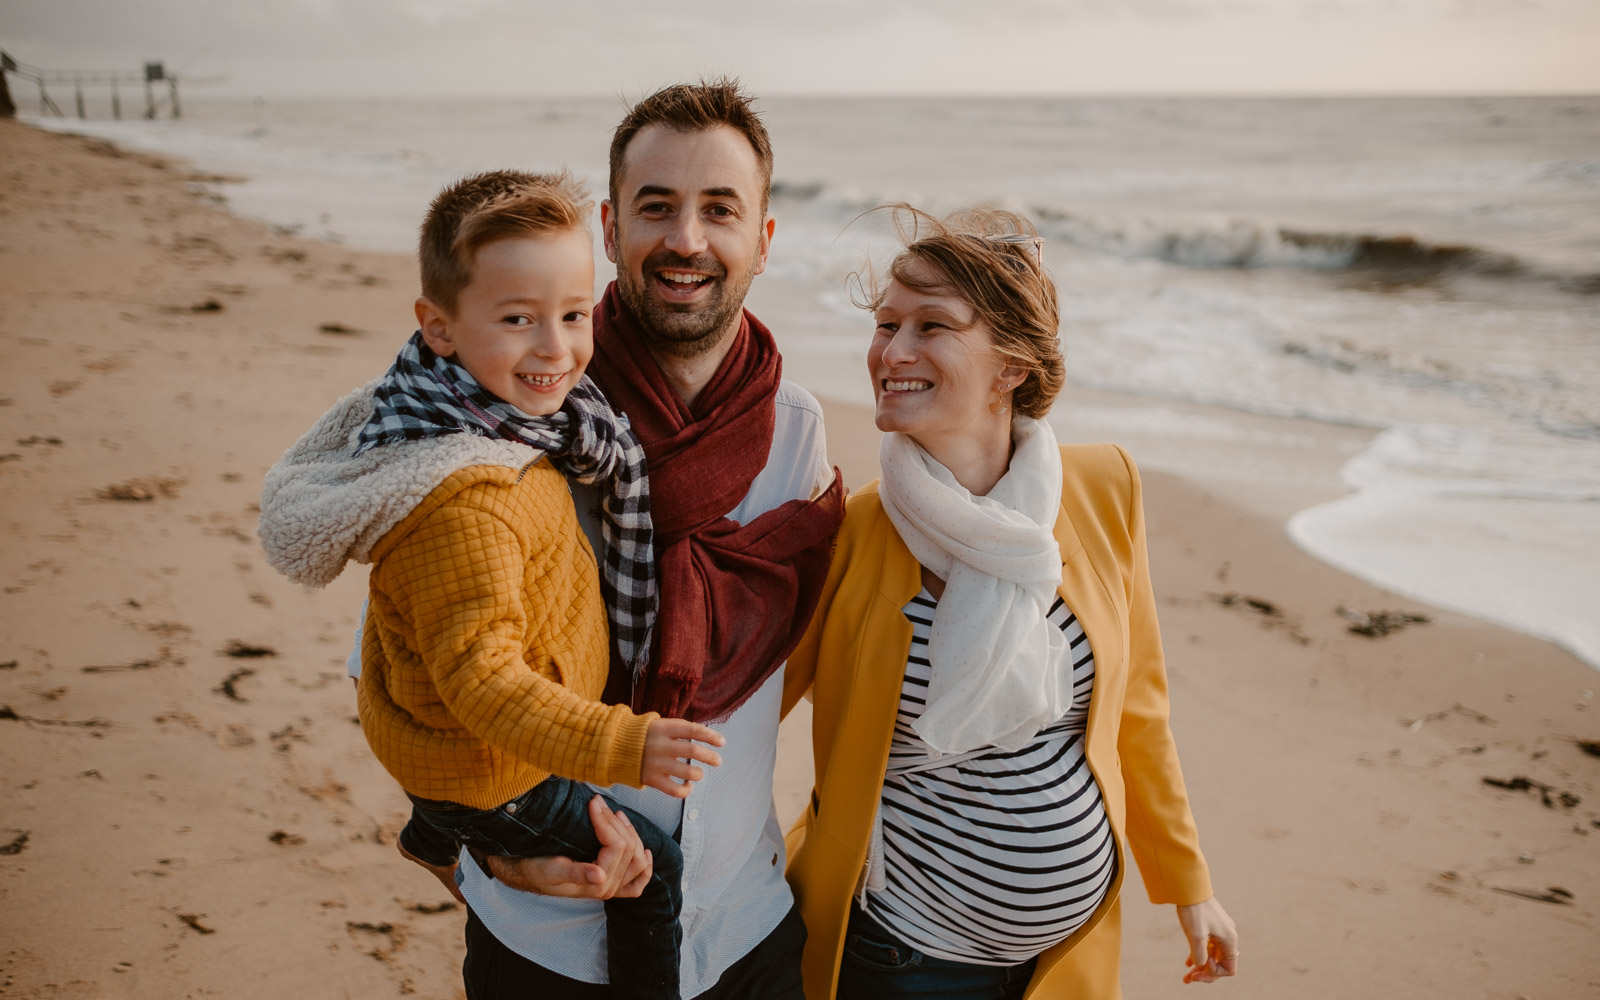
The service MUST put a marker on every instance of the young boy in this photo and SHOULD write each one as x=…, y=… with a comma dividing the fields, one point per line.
x=485, y=646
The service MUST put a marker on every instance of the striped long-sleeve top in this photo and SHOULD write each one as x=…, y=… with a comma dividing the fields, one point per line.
x=995, y=857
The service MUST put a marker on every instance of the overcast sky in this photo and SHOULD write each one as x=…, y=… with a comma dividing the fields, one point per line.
x=515, y=47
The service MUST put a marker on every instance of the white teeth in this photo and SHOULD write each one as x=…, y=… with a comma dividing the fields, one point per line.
x=911, y=385
x=540, y=380
x=683, y=279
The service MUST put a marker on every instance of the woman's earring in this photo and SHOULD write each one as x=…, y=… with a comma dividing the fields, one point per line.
x=1001, y=404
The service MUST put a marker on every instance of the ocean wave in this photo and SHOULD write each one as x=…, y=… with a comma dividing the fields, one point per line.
x=1544, y=400
x=1394, y=259
x=1380, y=259
x=1446, y=461
x=1585, y=173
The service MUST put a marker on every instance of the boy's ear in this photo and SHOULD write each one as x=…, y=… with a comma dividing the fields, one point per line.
x=434, y=323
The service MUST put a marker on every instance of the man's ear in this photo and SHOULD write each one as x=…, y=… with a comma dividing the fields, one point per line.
x=608, y=229
x=434, y=323
x=768, y=227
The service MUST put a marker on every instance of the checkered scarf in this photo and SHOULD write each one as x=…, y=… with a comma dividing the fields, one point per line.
x=425, y=395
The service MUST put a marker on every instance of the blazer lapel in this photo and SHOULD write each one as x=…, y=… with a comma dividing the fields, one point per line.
x=867, y=723
x=1089, y=597
x=881, y=673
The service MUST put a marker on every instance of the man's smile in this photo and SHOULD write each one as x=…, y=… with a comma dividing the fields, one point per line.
x=683, y=287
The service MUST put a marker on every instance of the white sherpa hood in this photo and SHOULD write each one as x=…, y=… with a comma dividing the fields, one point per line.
x=321, y=508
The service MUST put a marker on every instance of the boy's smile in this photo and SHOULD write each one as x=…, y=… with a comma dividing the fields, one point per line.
x=523, y=325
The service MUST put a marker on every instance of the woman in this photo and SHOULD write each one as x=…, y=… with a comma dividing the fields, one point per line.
x=990, y=722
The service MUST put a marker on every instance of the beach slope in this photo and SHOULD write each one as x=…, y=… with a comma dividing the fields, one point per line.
x=187, y=806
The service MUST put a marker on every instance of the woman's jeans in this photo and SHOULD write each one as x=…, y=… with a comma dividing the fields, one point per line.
x=550, y=819
x=879, y=966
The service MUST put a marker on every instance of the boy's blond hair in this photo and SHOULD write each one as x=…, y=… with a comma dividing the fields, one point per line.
x=497, y=205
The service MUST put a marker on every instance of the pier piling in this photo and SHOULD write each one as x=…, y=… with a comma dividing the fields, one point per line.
x=154, y=72
x=7, y=108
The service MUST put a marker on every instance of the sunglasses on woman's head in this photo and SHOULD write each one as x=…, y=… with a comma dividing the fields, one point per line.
x=1021, y=239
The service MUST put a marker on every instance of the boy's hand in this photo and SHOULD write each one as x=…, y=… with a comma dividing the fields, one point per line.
x=670, y=750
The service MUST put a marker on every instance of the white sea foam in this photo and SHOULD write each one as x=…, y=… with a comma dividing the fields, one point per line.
x=1434, y=516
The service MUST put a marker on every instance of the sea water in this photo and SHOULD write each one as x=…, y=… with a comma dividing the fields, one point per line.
x=1425, y=268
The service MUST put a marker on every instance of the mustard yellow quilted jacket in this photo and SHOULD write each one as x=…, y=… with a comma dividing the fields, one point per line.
x=484, y=652
x=485, y=649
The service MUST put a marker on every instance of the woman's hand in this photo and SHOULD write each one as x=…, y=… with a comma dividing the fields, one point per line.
x=1213, y=941
x=622, y=868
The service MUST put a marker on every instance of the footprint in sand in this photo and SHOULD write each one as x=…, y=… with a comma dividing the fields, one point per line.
x=193, y=922
x=9, y=714
x=229, y=688
x=164, y=659
x=241, y=650
x=367, y=932
x=139, y=490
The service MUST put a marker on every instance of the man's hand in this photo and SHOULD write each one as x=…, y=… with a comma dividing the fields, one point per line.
x=670, y=752
x=622, y=868
x=1213, y=942
x=445, y=874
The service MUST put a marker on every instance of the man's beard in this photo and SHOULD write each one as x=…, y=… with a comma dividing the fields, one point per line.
x=683, y=331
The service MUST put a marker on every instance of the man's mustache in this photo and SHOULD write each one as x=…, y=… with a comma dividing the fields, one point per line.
x=700, y=263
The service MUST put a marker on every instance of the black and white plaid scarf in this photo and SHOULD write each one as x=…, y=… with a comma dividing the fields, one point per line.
x=425, y=395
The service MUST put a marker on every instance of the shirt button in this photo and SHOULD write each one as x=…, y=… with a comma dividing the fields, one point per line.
x=694, y=814
x=511, y=807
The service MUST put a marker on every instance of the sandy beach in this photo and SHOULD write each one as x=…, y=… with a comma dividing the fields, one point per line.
x=189, y=808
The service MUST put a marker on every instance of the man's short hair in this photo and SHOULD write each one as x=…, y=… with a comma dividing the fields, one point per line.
x=497, y=205
x=695, y=107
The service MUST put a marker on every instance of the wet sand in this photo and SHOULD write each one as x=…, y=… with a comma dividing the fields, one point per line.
x=189, y=808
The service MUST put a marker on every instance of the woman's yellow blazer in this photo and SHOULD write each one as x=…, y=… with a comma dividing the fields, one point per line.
x=852, y=660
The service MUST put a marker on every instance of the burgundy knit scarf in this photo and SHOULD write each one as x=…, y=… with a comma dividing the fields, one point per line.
x=734, y=599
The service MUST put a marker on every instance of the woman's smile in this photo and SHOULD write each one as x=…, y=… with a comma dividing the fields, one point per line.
x=912, y=385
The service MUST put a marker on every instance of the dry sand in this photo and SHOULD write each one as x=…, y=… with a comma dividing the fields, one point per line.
x=190, y=810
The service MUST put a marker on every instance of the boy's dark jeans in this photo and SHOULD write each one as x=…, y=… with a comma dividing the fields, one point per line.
x=552, y=818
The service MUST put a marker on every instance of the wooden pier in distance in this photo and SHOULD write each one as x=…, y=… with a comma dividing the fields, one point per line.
x=154, y=77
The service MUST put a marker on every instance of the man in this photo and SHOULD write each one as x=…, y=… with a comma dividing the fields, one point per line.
x=745, y=508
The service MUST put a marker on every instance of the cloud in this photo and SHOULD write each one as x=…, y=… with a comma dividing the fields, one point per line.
x=367, y=47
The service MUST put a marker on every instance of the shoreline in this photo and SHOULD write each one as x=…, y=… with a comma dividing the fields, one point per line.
x=184, y=817
x=1417, y=536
